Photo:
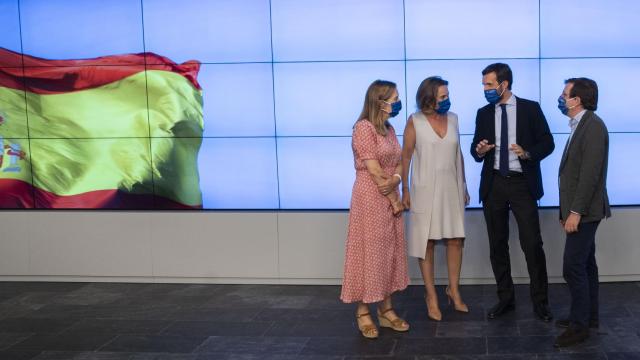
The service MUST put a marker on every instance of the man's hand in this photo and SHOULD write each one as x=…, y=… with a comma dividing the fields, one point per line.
x=518, y=150
x=483, y=147
x=572, y=223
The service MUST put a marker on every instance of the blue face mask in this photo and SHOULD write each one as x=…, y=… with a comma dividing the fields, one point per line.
x=443, y=106
x=492, y=95
x=395, y=108
x=562, y=105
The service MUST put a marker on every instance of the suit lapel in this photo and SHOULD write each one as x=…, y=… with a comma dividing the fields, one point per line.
x=521, y=121
x=564, y=156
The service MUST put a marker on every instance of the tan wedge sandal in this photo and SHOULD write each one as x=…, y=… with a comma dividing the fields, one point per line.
x=396, y=324
x=370, y=331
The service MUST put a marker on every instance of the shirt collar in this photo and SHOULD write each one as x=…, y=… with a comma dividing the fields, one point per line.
x=511, y=101
x=573, y=122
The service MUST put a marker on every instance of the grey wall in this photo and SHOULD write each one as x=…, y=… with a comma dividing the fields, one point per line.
x=254, y=247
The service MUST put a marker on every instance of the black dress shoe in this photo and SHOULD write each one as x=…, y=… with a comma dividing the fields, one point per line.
x=500, y=309
x=564, y=323
x=571, y=336
x=542, y=312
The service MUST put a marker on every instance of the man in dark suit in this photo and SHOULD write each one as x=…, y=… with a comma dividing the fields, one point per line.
x=582, y=179
x=511, y=138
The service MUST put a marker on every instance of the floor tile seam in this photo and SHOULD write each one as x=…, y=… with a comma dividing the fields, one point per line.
x=108, y=342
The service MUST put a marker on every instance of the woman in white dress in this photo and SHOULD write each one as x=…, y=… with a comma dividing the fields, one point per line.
x=438, y=193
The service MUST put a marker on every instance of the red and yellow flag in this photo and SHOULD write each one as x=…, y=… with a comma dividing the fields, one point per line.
x=107, y=132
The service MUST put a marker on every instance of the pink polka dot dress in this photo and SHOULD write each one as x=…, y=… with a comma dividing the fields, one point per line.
x=375, y=259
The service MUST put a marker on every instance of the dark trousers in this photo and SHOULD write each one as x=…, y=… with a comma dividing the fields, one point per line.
x=513, y=193
x=580, y=271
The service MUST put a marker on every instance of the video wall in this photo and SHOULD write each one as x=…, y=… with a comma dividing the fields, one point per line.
x=249, y=104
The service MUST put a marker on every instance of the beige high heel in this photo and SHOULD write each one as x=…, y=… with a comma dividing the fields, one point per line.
x=462, y=307
x=397, y=324
x=432, y=314
x=370, y=331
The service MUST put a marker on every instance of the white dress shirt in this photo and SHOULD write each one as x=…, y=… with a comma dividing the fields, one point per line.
x=514, y=162
x=573, y=123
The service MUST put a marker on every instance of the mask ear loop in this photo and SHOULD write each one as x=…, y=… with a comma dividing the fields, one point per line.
x=569, y=108
x=502, y=90
x=382, y=107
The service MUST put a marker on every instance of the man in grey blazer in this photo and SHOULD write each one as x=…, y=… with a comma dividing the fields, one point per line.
x=584, y=202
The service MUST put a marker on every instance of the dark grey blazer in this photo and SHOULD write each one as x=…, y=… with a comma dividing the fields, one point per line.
x=582, y=175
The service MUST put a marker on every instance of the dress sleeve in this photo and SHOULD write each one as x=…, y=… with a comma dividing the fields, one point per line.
x=364, y=140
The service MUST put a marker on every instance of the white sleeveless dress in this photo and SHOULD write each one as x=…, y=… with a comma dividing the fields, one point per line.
x=437, y=186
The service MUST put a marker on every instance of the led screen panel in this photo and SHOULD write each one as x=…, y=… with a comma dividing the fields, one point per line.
x=76, y=29
x=92, y=173
x=237, y=100
x=549, y=168
x=10, y=30
x=589, y=28
x=622, y=184
x=614, y=98
x=325, y=99
x=471, y=29
x=176, y=176
x=331, y=30
x=224, y=104
x=110, y=101
x=15, y=174
x=315, y=172
x=208, y=31
x=622, y=178
x=238, y=173
x=472, y=171
x=13, y=115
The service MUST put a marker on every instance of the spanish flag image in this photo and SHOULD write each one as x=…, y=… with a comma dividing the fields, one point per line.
x=109, y=132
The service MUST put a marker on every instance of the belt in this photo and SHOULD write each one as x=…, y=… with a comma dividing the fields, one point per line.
x=510, y=174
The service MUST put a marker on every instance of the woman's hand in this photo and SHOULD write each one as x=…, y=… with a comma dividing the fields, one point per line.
x=467, y=198
x=388, y=186
x=397, y=208
x=406, y=200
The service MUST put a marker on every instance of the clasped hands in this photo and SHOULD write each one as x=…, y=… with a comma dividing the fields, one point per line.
x=389, y=185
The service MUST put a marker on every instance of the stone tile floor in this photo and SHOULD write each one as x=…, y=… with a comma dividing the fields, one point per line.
x=188, y=321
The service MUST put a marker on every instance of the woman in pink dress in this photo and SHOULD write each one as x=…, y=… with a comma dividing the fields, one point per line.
x=375, y=260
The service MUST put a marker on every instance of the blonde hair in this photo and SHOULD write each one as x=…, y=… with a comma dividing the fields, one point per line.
x=378, y=91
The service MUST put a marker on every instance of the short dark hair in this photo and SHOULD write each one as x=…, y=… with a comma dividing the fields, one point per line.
x=427, y=94
x=587, y=90
x=503, y=72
